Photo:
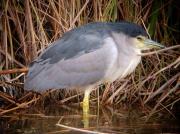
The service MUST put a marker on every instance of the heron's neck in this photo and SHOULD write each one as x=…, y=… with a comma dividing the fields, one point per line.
x=125, y=45
x=128, y=56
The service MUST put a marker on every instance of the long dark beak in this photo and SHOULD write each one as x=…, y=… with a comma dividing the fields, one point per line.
x=152, y=44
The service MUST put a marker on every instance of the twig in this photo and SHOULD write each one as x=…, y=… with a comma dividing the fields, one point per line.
x=11, y=58
x=78, y=129
x=12, y=71
x=69, y=98
x=162, y=99
x=163, y=69
x=19, y=106
x=16, y=78
x=8, y=98
x=106, y=92
x=158, y=91
x=116, y=93
x=159, y=51
x=75, y=19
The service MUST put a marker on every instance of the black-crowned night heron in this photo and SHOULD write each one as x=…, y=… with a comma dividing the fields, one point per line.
x=88, y=56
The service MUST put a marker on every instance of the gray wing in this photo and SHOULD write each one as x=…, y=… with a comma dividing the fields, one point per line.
x=73, y=44
x=73, y=61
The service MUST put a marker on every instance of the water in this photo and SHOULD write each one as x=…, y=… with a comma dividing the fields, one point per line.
x=69, y=119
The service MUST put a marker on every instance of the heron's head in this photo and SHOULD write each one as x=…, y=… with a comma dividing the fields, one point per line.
x=134, y=36
x=140, y=37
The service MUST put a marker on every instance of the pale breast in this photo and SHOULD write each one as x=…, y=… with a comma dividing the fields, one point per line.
x=124, y=68
x=127, y=57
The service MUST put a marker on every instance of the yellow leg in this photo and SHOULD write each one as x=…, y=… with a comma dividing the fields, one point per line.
x=86, y=101
x=86, y=108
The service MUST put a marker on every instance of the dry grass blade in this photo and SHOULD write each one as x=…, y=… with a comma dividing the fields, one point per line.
x=75, y=19
x=160, y=90
x=8, y=98
x=22, y=105
x=12, y=71
x=77, y=129
x=162, y=50
x=31, y=34
x=11, y=58
x=110, y=99
x=163, y=97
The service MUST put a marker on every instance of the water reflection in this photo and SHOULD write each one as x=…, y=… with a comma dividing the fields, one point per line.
x=104, y=119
